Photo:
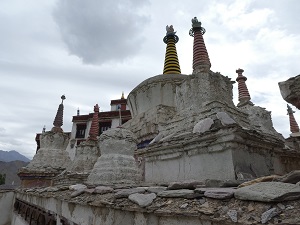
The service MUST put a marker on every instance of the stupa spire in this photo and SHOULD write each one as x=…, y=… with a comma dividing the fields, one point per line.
x=201, y=62
x=122, y=96
x=94, y=130
x=244, y=96
x=294, y=128
x=58, y=120
x=171, y=60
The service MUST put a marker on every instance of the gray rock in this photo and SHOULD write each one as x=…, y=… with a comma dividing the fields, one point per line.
x=156, y=189
x=76, y=187
x=126, y=192
x=225, y=118
x=191, y=184
x=142, y=200
x=182, y=193
x=280, y=206
x=269, y=192
x=103, y=190
x=202, y=201
x=232, y=215
x=89, y=191
x=267, y=215
x=218, y=193
x=157, y=138
x=184, y=206
x=77, y=193
x=203, y=125
x=289, y=207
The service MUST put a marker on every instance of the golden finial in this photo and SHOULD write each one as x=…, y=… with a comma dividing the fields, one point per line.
x=122, y=97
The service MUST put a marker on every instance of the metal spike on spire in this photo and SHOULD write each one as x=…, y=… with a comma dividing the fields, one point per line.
x=244, y=96
x=294, y=128
x=171, y=65
x=58, y=121
x=201, y=62
x=94, y=130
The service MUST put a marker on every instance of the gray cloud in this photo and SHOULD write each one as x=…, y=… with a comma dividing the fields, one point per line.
x=100, y=31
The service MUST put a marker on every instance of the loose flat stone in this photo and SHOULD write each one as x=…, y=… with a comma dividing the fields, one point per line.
x=182, y=193
x=203, y=125
x=76, y=187
x=126, y=192
x=269, y=192
x=232, y=215
x=89, y=191
x=142, y=200
x=156, y=189
x=103, y=190
x=191, y=184
x=225, y=118
x=77, y=193
x=269, y=214
x=219, y=193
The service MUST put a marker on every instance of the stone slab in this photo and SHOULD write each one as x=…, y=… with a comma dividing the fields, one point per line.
x=126, y=192
x=142, y=200
x=103, y=190
x=225, y=118
x=156, y=189
x=217, y=193
x=269, y=192
x=203, y=125
x=190, y=184
x=182, y=193
x=76, y=187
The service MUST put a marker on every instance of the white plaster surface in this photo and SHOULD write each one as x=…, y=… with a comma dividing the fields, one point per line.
x=216, y=165
x=6, y=206
x=157, y=90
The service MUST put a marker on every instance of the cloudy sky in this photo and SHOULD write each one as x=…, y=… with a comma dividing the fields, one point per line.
x=93, y=50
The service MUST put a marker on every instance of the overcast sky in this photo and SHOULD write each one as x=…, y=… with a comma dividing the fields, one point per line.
x=93, y=50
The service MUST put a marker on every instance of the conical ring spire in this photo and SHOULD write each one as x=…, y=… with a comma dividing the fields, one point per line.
x=171, y=60
x=94, y=130
x=244, y=96
x=58, y=120
x=293, y=123
x=201, y=62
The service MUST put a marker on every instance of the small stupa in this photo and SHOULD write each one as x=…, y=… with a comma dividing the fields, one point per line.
x=86, y=155
x=52, y=157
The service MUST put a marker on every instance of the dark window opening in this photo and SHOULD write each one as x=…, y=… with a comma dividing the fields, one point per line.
x=103, y=126
x=80, y=130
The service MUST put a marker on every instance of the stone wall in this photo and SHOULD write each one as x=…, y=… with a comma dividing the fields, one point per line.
x=6, y=206
x=228, y=153
x=74, y=213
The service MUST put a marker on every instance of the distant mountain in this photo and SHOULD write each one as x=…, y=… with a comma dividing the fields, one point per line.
x=11, y=170
x=12, y=156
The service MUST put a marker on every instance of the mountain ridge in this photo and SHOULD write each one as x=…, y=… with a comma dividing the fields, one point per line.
x=9, y=156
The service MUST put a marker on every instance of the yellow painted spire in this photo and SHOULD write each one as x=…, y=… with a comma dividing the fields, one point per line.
x=122, y=97
x=171, y=60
